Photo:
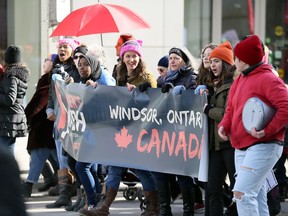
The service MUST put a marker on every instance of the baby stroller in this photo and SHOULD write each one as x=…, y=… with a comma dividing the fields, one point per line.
x=132, y=192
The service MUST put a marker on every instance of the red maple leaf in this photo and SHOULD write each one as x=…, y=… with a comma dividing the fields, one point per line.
x=123, y=139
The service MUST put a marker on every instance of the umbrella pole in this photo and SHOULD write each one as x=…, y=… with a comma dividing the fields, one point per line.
x=101, y=40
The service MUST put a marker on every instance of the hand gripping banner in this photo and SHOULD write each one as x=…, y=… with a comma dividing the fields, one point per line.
x=151, y=130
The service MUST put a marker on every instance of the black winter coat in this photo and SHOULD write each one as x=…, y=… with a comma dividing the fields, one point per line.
x=187, y=77
x=13, y=86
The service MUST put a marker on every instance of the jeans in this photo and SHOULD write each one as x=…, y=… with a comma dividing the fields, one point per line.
x=62, y=159
x=38, y=158
x=87, y=173
x=8, y=142
x=252, y=167
x=220, y=163
x=115, y=175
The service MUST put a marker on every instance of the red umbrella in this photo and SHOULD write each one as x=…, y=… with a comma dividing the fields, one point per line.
x=99, y=18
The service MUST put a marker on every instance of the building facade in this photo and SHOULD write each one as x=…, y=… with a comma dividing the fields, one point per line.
x=192, y=23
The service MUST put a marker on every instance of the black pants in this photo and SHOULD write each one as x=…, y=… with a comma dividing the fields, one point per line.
x=221, y=163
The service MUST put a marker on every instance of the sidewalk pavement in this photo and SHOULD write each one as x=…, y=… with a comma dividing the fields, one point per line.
x=36, y=204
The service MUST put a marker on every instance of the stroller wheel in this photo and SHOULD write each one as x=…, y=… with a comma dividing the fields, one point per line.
x=143, y=205
x=140, y=195
x=130, y=193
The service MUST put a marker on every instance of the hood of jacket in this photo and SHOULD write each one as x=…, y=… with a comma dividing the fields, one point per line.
x=18, y=71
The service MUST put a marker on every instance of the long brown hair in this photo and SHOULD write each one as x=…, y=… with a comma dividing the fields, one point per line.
x=122, y=73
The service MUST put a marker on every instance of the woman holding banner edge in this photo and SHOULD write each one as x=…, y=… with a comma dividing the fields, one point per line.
x=181, y=76
x=221, y=153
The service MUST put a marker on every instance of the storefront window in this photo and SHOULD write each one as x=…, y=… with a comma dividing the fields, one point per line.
x=277, y=35
x=237, y=20
x=197, y=24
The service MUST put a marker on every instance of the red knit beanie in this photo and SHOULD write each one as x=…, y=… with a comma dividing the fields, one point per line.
x=223, y=52
x=250, y=50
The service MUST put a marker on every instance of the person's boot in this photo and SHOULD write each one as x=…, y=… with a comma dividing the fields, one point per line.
x=65, y=187
x=188, y=196
x=54, y=191
x=77, y=202
x=27, y=189
x=103, y=208
x=174, y=188
x=164, y=198
x=49, y=179
x=82, y=203
x=152, y=208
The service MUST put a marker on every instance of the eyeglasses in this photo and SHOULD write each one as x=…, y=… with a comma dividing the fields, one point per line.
x=76, y=57
x=203, y=55
x=46, y=59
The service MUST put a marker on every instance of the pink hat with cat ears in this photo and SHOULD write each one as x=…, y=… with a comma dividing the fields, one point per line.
x=132, y=45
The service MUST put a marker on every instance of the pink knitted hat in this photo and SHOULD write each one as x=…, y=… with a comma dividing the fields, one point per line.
x=132, y=45
x=72, y=42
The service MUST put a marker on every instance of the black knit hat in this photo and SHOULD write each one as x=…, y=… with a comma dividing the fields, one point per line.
x=12, y=55
x=180, y=53
x=81, y=49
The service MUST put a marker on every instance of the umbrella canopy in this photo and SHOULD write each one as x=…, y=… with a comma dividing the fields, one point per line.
x=99, y=18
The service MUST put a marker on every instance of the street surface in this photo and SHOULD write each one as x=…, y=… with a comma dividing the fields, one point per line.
x=121, y=207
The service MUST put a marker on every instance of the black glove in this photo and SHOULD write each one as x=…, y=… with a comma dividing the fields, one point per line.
x=56, y=69
x=208, y=108
x=166, y=87
x=59, y=69
x=143, y=87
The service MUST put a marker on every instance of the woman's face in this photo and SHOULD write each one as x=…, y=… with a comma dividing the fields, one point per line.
x=216, y=66
x=84, y=68
x=64, y=52
x=205, y=57
x=175, y=62
x=131, y=60
x=76, y=58
x=47, y=65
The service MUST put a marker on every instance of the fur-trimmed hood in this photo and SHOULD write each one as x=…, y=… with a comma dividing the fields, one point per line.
x=19, y=71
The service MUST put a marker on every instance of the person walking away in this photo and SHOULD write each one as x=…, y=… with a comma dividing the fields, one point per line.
x=256, y=152
x=13, y=87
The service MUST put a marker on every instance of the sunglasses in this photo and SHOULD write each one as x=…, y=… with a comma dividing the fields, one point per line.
x=76, y=57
